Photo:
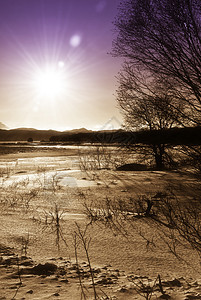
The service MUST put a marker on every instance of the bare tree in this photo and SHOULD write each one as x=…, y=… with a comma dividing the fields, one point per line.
x=147, y=105
x=163, y=39
x=160, y=87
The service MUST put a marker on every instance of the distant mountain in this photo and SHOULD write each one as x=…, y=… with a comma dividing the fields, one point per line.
x=24, y=128
x=80, y=130
x=173, y=136
x=23, y=134
x=3, y=126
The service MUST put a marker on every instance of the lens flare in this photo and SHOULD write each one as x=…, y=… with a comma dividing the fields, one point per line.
x=75, y=40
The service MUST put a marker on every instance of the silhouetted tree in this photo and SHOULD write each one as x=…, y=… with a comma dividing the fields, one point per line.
x=147, y=106
x=144, y=103
x=160, y=86
x=162, y=39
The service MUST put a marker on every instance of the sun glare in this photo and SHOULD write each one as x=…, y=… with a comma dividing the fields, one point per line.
x=49, y=83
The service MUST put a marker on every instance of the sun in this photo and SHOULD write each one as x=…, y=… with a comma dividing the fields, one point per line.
x=49, y=83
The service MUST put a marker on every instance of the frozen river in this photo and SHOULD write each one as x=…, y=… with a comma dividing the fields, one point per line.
x=47, y=171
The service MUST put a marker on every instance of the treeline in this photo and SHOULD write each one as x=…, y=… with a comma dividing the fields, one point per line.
x=173, y=136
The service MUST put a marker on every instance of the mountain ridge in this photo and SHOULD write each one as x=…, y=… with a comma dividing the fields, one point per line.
x=23, y=134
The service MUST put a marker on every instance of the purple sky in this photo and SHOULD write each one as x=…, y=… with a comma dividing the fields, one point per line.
x=68, y=36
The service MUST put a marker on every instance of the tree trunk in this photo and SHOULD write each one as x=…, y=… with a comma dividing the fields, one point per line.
x=159, y=156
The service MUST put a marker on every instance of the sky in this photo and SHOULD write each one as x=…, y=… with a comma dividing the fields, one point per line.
x=55, y=68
